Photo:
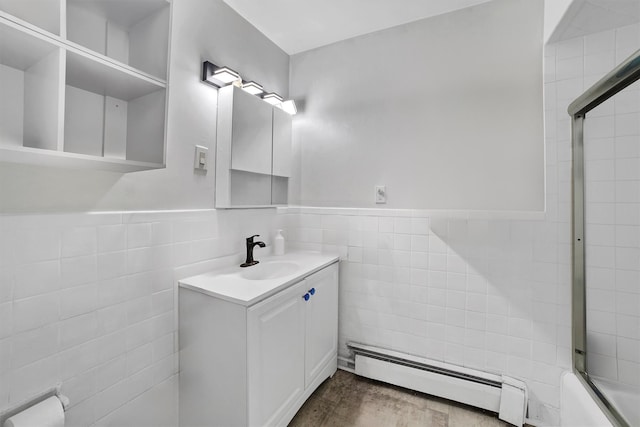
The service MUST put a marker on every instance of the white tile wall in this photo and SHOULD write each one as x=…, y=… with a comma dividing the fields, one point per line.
x=483, y=290
x=87, y=300
x=612, y=152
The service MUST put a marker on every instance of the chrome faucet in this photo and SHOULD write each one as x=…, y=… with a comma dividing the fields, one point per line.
x=250, y=245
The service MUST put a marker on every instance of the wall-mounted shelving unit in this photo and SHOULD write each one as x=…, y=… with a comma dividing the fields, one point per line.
x=86, y=88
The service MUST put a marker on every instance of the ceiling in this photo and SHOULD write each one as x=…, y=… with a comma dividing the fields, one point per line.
x=300, y=25
x=591, y=16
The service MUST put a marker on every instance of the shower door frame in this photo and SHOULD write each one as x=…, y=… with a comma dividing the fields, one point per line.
x=615, y=81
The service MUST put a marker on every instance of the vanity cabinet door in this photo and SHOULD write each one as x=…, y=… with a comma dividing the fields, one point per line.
x=275, y=341
x=321, y=325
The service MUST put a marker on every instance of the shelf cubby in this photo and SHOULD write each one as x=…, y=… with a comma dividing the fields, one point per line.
x=30, y=84
x=136, y=35
x=111, y=112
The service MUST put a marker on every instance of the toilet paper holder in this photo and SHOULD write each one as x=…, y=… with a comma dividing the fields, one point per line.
x=53, y=391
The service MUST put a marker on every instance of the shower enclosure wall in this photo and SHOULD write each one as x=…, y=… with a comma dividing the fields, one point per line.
x=606, y=241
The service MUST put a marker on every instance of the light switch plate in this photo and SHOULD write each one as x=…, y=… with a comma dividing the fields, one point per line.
x=201, y=161
x=381, y=194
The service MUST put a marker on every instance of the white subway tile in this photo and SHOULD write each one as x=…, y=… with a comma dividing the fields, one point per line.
x=139, y=358
x=139, y=309
x=138, y=235
x=163, y=325
x=78, y=330
x=112, y=238
x=627, y=281
x=112, y=345
x=32, y=379
x=570, y=68
x=603, y=366
x=36, y=344
x=627, y=146
x=402, y=242
x=79, y=270
x=37, y=278
x=37, y=244
x=163, y=347
x=370, y=239
x=78, y=300
x=570, y=48
x=161, y=233
x=79, y=388
x=420, y=260
x=79, y=359
x=628, y=191
x=34, y=312
x=386, y=224
x=112, y=318
x=627, y=213
x=370, y=223
x=110, y=373
x=629, y=372
x=79, y=241
x=420, y=226
x=627, y=258
x=139, y=334
x=402, y=225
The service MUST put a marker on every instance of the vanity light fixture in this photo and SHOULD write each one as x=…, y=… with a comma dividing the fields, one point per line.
x=218, y=76
x=252, y=87
x=273, y=98
x=289, y=106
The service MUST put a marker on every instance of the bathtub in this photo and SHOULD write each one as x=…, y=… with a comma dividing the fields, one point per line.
x=577, y=407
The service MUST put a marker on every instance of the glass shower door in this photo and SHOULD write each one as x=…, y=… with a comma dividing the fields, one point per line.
x=607, y=284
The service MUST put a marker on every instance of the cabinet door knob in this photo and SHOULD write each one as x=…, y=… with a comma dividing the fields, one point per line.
x=306, y=296
x=312, y=291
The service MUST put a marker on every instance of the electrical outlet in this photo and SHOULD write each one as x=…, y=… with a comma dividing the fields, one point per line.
x=381, y=194
x=201, y=161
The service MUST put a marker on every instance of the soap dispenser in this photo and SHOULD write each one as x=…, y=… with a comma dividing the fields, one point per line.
x=278, y=243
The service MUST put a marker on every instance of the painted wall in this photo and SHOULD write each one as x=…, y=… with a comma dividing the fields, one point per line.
x=446, y=112
x=202, y=30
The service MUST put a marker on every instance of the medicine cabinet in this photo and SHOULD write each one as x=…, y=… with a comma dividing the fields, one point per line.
x=84, y=83
x=253, y=157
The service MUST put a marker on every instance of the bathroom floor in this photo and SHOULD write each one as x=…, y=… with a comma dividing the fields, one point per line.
x=349, y=400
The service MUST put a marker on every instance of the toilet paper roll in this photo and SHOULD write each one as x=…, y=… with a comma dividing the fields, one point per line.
x=48, y=413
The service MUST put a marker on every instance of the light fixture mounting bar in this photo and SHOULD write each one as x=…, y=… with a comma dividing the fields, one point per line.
x=218, y=76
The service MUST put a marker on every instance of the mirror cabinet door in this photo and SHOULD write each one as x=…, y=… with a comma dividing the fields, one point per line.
x=282, y=132
x=253, y=155
x=251, y=150
x=251, y=134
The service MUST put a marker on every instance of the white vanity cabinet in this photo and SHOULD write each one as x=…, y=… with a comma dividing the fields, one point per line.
x=256, y=364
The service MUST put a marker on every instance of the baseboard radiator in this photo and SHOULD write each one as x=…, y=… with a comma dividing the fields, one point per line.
x=498, y=393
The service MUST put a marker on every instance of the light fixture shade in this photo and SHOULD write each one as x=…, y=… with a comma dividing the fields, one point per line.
x=273, y=98
x=252, y=87
x=218, y=76
x=289, y=106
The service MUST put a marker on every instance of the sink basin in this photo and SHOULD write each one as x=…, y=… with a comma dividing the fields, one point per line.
x=269, y=270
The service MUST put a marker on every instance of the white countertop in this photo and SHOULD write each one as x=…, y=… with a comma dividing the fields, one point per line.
x=229, y=284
